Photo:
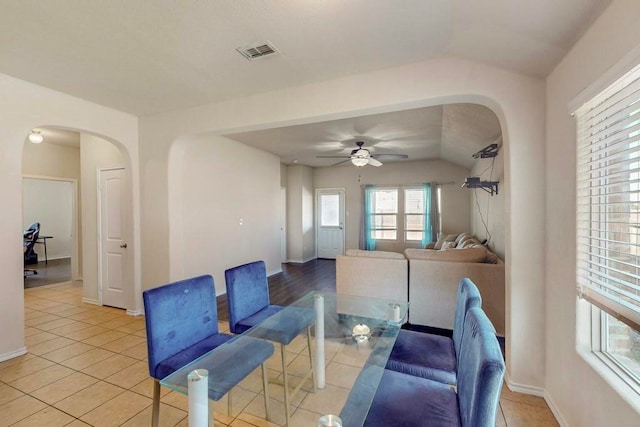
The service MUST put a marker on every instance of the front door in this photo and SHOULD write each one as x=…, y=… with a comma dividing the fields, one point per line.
x=112, y=239
x=330, y=222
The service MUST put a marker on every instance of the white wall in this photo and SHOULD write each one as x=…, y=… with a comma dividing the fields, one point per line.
x=488, y=210
x=300, y=214
x=95, y=153
x=230, y=208
x=577, y=392
x=25, y=106
x=49, y=202
x=518, y=102
x=455, y=200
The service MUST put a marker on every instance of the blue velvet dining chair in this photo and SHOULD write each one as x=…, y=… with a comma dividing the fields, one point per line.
x=249, y=305
x=182, y=324
x=434, y=356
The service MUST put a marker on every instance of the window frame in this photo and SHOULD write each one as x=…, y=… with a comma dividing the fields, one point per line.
x=395, y=215
x=405, y=215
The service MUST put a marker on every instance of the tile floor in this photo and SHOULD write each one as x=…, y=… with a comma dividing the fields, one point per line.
x=87, y=365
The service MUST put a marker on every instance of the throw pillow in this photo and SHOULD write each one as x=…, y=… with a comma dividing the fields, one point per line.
x=448, y=245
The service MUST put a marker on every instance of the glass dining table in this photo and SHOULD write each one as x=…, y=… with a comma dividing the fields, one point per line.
x=352, y=336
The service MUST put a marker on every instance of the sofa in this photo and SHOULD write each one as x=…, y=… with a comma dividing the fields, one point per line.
x=374, y=274
x=430, y=277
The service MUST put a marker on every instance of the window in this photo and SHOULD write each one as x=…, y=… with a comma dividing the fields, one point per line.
x=385, y=214
x=414, y=217
x=608, y=222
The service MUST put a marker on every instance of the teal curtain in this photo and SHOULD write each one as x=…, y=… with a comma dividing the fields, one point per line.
x=427, y=236
x=367, y=242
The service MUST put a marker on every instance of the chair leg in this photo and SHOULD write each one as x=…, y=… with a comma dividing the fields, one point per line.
x=265, y=390
x=155, y=412
x=229, y=402
x=313, y=371
x=285, y=384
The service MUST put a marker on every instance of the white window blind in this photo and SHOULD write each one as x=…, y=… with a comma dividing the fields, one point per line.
x=608, y=200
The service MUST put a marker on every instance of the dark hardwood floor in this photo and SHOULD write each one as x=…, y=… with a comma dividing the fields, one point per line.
x=295, y=281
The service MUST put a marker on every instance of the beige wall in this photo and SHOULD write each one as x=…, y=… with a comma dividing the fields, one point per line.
x=518, y=102
x=578, y=393
x=95, y=154
x=455, y=200
x=230, y=209
x=300, y=214
x=26, y=106
x=487, y=209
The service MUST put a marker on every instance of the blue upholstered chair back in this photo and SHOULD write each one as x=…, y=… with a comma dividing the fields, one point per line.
x=468, y=296
x=480, y=371
x=177, y=316
x=247, y=291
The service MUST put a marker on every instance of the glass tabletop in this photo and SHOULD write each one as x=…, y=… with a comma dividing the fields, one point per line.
x=350, y=333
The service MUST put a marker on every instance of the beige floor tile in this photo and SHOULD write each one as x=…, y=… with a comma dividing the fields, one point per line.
x=135, y=326
x=255, y=409
x=73, y=350
x=518, y=414
x=117, y=322
x=522, y=398
x=19, y=409
x=28, y=331
x=24, y=368
x=85, y=333
x=169, y=417
x=257, y=421
x=63, y=321
x=71, y=311
x=41, y=320
x=8, y=393
x=117, y=411
x=63, y=331
x=89, y=398
x=78, y=423
x=41, y=378
x=40, y=337
x=145, y=388
x=137, y=351
x=130, y=376
x=176, y=400
x=51, y=345
x=48, y=417
x=87, y=359
x=110, y=366
x=326, y=401
x=16, y=360
x=64, y=388
x=104, y=338
x=121, y=344
x=500, y=421
x=341, y=375
x=141, y=333
x=302, y=418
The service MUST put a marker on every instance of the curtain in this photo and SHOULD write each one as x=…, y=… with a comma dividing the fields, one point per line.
x=426, y=203
x=435, y=214
x=367, y=242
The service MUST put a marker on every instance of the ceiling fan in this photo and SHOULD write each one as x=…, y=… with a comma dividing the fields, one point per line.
x=362, y=157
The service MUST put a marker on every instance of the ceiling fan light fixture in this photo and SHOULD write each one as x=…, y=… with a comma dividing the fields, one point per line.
x=359, y=161
x=35, y=137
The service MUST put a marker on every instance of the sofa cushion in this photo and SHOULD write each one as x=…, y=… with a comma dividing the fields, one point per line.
x=448, y=245
x=444, y=238
x=374, y=254
x=449, y=255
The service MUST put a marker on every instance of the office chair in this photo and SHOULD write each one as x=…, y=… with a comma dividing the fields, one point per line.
x=249, y=305
x=29, y=238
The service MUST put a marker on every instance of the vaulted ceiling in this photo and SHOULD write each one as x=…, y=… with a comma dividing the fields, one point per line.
x=150, y=56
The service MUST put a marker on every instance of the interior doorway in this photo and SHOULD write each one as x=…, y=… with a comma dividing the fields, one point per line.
x=330, y=222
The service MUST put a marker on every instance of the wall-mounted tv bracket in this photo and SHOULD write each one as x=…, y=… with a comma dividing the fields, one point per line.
x=490, y=187
x=489, y=151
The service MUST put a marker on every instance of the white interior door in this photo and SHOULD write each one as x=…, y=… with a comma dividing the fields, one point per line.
x=330, y=222
x=113, y=246
x=283, y=225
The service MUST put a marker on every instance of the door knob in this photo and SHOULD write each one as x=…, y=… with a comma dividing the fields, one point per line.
x=124, y=246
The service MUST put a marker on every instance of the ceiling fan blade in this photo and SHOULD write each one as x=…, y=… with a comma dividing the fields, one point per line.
x=374, y=162
x=390, y=156
x=333, y=157
x=339, y=163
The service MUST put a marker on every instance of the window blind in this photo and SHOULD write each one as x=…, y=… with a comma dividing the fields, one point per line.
x=608, y=200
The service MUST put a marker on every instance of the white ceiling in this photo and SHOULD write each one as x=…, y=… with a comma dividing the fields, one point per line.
x=150, y=56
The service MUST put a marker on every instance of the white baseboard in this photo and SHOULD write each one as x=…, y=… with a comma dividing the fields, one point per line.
x=13, y=354
x=554, y=409
x=301, y=261
x=134, y=313
x=523, y=388
x=90, y=301
x=276, y=271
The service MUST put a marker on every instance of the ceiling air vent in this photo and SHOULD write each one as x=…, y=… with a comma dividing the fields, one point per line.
x=257, y=50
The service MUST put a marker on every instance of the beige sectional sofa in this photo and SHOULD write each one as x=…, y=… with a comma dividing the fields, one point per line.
x=432, y=280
